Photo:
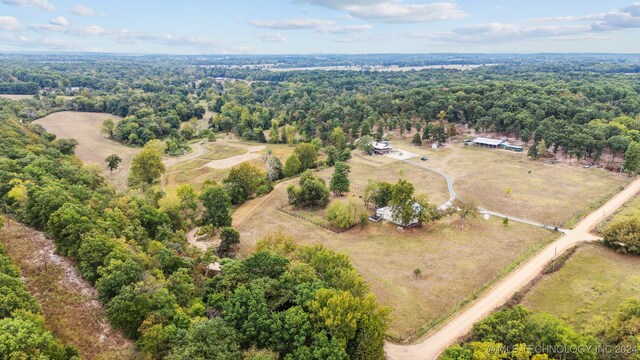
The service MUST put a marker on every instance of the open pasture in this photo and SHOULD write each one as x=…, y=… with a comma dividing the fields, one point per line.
x=454, y=262
x=93, y=145
x=589, y=288
x=512, y=184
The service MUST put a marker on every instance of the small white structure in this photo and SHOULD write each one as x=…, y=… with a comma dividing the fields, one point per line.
x=434, y=146
x=386, y=213
x=381, y=148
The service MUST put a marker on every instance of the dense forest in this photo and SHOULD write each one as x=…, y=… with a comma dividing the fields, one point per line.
x=582, y=108
x=283, y=301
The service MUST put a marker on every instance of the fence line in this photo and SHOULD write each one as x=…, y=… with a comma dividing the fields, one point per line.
x=283, y=210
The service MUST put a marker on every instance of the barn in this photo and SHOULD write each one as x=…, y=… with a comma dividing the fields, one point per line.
x=488, y=142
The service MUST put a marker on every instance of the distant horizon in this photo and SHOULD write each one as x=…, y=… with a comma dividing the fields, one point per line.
x=293, y=27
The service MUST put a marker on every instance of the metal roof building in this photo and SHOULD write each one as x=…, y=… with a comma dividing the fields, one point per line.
x=488, y=142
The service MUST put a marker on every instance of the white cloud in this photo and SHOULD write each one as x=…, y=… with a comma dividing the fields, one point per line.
x=558, y=28
x=41, y=4
x=393, y=11
x=272, y=37
x=9, y=23
x=83, y=11
x=319, y=25
x=59, y=21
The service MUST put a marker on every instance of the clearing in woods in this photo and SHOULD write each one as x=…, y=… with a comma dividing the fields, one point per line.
x=589, y=288
x=454, y=262
x=70, y=304
x=16, y=97
x=94, y=146
x=512, y=184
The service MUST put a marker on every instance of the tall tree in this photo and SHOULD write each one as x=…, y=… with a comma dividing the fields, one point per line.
x=464, y=209
x=112, y=162
x=146, y=167
x=217, y=204
x=339, y=183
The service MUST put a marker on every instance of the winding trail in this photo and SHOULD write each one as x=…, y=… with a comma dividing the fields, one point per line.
x=459, y=325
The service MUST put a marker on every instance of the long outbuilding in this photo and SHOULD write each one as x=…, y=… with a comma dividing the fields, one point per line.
x=488, y=142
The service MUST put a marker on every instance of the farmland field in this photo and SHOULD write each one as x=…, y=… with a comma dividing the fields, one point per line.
x=94, y=146
x=589, y=288
x=512, y=184
x=454, y=262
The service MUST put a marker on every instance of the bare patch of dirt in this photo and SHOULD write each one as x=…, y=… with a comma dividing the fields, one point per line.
x=70, y=304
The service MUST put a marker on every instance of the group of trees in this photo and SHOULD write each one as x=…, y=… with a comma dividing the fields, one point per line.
x=156, y=287
x=406, y=206
x=519, y=333
x=24, y=334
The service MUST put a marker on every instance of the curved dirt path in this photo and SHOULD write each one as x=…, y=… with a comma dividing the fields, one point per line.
x=461, y=324
x=252, y=153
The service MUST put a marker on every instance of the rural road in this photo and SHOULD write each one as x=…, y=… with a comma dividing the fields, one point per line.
x=432, y=346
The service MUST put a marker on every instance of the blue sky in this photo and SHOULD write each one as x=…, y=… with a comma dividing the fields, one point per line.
x=319, y=26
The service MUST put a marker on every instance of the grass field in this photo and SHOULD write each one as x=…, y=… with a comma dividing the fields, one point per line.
x=94, y=146
x=630, y=210
x=16, y=97
x=589, y=287
x=70, y=305
x=454, y=262
x=512, y=184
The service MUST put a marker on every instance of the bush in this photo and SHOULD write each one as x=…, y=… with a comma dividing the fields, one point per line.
x=344, y=214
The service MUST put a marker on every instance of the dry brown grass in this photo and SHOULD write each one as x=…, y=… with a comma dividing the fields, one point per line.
x=70, y=305
x=454, y=262
x=16, y=97
x=94, y=146
x=545, y=193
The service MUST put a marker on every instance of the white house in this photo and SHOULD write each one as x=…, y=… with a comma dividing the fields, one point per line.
x=386, y=213
x=381, y=148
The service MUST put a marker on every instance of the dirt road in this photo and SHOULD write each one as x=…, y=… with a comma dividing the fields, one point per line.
x=461, y=324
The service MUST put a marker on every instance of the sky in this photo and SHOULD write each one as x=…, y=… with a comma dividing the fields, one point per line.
x=319, y=26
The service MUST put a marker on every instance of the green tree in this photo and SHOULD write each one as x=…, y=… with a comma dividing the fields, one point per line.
x=624, y=235
x=417, y=141
x=113, y=161
x=338, y=138
x=217, y=205
x=339, y=183
x=541, y=149
x=464, y=209
x=307, y=154
x=247, y=177
x=109, y=127
x=365, y=144
x=146, y=167
x=312, y=191
x=209, y=339
x=344, y=214
x=181, y=285
x=402, y=203
x=229, y=237
x=116, y=275
x=632, y=158
x=292, y=166
x=67, y=225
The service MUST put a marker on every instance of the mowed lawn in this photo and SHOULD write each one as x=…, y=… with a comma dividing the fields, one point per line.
x=510, y=183
x=93, y=145
x=454, y=262
x=589, y=287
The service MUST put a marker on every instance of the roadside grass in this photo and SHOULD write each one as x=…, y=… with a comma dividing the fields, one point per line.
x=630, y=210
x=70, y=305
x=454, y=262
x=512, y=184
x=93, y=145
x=589, y=288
